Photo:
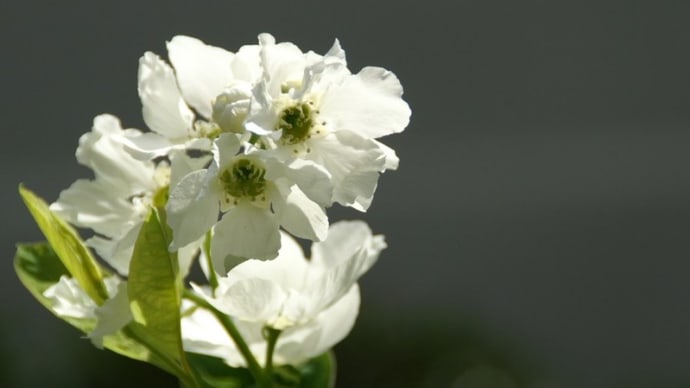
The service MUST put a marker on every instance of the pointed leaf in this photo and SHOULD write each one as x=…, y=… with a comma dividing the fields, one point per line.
x=125, y=343
x=68, y=246
x=319, y=372
x=154, y=290
x=214, y=373
x=38, y=268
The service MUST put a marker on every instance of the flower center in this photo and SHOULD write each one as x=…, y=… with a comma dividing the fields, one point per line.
x=296, y=122
x=244, y=179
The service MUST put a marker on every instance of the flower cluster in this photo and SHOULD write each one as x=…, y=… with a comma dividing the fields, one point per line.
x=246, y=151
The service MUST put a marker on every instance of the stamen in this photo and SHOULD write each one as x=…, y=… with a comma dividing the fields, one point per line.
x=295, y=122
x=244, y=179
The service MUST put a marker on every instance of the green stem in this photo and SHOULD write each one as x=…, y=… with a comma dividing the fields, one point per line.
x=271, y=336
x=262, y=379
x=212, y=277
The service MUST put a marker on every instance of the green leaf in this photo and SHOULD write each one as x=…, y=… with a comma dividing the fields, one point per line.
x=125, y=343
x=155, y=293
x=286, y=376
x=319, y=372
x=38, y=268
x=66, y=243
x=214, y=373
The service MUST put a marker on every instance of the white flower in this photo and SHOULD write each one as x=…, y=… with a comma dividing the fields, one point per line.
x=314, y=302
x=118, y=200
x=214, y=82
x=69, y=300
x=257, y=194
x=203, y=334
x=316, y=109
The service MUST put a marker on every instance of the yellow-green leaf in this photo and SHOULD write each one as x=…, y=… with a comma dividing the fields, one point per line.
x=66, y=243
x=214, y=373
x=319, y=372
x=154, y=290
x=38, y=268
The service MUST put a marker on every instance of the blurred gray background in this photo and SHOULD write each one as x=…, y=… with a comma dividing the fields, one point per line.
x=538, y=225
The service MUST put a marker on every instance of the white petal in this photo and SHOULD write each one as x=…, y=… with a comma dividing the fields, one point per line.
x=199, y=144
x=348, y=252
x=231, y=107
x=330, y=327
x=186, y=256
x=368, y=103
x=105, y=247
x=192, y=209
x=103, y=151
x=113, y=315
x=336, y=52
x=345, y=240
x=147, y=145
x=354, y=163
x=252, y=332
x=203, y=334
x=392, y=160
x=89, y=204
x=322, y=76
x=287, y=270
x=262, y=120
x=225, y=148
x=115, y=203
x=253, y=300
x=246, y=64
x=298, y=214
x=314, y=180
x=164, y=110
x=296, y=343
x=68, y=299
x=182, y=163
x=202, y=71
x=337, y=321
x=245, y=231
x=283, y=63
x=121, y=251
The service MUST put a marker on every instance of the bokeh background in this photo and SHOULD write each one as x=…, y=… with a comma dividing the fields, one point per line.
x=538, y=225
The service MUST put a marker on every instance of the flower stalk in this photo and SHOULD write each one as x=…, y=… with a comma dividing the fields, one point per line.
x=271, y=336
x=262, y=379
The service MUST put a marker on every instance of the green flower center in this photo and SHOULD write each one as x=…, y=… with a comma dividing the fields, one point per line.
x=244, y=179
x=296, y=122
